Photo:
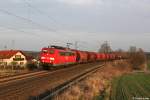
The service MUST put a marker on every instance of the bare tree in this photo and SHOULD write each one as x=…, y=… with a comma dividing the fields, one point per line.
x=105, y=48
x=132, y=49
x=137, y=58
x=119, y=50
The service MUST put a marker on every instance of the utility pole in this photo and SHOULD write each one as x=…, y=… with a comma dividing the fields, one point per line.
x=13, y=44
x=68, y=45
x=76, y=45
x=106, y=50
x=106, y=47
x=5, y=47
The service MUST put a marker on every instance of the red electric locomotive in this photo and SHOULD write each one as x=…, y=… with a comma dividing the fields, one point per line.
x=56, y=56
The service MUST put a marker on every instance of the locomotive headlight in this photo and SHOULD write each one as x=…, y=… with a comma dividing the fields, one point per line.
x=42, y=57
x=52, y=58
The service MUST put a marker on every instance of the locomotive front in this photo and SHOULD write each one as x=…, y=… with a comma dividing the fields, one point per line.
x=47, y=57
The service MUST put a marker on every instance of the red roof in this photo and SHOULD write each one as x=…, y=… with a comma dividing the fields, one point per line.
x=6, y=54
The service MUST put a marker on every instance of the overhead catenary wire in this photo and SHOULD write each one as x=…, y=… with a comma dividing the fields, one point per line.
x=26, y=20
x=50, y=18
x=31, y=21
x=14, y=29
x=43, y=13
x=40, y=11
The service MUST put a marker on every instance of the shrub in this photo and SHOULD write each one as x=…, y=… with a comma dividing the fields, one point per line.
x=31, y=65
x=137, y=59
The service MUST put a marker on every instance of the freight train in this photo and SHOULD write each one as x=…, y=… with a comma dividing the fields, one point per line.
x=58, y=56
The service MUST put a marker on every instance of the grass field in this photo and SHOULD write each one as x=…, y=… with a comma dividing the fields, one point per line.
x=130, y=87
x=148, y=64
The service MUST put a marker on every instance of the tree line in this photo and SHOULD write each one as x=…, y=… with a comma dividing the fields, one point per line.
x=135, y=57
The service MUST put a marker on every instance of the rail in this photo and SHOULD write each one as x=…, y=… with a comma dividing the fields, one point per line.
x=49, y=94
x=22, y=76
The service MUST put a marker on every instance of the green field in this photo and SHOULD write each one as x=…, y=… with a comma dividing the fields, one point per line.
x=127, y=87
x=148, y=64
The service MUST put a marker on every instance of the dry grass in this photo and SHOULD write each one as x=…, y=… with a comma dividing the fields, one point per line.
x=6, y=73
x=96, y=83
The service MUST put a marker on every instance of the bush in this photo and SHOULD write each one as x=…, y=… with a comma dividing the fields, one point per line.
x=31, y=65
x=137, y=59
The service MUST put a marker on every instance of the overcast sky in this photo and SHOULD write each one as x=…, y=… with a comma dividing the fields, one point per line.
x=33, y=24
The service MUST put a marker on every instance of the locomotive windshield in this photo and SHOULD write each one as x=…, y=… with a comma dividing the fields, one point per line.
x=51, y=51
x=48, y=51
x=44, y=51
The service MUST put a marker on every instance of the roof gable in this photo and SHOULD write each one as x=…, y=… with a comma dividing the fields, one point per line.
x=6, y=54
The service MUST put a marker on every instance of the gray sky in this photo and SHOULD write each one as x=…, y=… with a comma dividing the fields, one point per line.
x=33, y=24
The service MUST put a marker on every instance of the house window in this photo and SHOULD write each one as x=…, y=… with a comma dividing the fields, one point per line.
x=5, y=63
x=21, y=63
x=17, y=56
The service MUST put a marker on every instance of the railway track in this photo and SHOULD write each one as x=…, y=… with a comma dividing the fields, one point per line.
x=49, y=94
x=21, y=77
x=16, y=74
x=33, y=85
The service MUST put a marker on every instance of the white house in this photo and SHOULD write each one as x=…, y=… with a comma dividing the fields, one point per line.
x=16, y=57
